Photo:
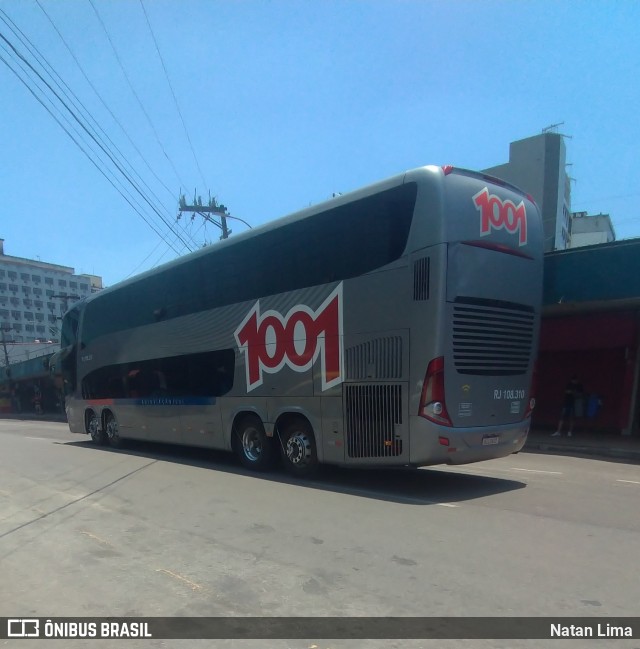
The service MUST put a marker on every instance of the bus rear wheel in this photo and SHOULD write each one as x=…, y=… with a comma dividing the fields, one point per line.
x=95, y=430
x=112, y=431
x=254, y=449
x=298, y=448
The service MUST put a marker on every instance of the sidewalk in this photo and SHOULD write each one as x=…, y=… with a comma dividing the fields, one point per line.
x=31, y=416
x=622, y=447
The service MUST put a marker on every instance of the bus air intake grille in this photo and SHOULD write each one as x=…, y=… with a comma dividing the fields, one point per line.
x=421, y=279
x=492, y=337
x=373, y=414
x=378, y=359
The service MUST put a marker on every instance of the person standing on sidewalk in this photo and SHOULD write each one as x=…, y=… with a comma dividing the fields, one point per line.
x=572, y=393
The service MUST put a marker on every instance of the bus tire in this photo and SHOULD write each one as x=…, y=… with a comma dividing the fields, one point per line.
x=112, y=431
x=95, y=429
x=253, y=448
x=298, y=448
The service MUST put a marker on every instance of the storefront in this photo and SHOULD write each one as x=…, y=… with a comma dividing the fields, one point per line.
x=601, y=350
x=591, y=330
x=30, y=389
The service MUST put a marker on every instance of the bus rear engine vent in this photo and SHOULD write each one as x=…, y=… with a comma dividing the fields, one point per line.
x=373, y=414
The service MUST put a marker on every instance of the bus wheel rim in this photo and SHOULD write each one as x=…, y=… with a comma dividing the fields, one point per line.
x=112, y=429
x=298, y=448
x=252, y=444
x=94, y=426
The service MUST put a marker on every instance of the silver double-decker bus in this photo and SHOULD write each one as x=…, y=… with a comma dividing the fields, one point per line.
x=396, y=325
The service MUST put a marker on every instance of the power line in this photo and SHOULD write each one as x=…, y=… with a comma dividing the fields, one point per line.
x=95, y=137
x=13, y=51
x=173, y=94
x=157, y=261
x=607, y=198
x=135, y=94
x=163, y=254
x=79, y=145
x=102, y=101
x=68, y=92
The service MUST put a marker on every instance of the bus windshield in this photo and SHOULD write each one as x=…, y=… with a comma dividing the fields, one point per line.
x=70, y=322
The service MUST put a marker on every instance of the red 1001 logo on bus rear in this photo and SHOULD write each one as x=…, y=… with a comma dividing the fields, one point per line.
x=497, y=214
x=270, y=341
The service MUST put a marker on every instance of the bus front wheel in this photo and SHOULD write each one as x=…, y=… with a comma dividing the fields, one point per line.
x=298, y=447
x=252, y=446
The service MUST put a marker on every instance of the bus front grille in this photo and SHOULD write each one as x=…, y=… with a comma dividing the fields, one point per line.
x=373, y=416
x=492, y=337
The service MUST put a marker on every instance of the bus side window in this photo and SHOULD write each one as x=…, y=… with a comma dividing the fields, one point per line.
x=211, y=373
x=115, y=388
x=207, y=374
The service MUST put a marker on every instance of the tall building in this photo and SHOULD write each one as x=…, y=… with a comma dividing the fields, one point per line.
x=591, y=229
x=537, y=165
x=35, y=294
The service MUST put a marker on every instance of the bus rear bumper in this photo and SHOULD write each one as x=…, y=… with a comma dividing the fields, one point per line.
x=432, y=444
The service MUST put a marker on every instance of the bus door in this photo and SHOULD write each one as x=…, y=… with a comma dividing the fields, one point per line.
x=204, y=378
x=147, y=410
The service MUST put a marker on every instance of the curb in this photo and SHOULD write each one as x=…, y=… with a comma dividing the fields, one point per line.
x=594, y=451
x=33, y=417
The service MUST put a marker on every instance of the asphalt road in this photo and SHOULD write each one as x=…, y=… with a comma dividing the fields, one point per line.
x=156, y=530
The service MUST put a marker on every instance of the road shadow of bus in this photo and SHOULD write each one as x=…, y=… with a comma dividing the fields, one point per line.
x=424, y=486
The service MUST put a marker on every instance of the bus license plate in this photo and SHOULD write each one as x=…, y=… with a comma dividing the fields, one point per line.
x=490, y=439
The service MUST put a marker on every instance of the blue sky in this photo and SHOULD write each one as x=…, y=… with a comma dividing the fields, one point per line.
x=286, y=102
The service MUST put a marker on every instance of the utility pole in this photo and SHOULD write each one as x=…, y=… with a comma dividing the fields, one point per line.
x=205, y=211
x=212, y=208
x=6, y=357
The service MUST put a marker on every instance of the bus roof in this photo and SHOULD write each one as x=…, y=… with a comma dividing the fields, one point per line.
x=411, y=175
x=299, y=215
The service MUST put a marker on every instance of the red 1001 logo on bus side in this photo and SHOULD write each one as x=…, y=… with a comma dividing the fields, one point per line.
x=270, y=341
x=497, y=214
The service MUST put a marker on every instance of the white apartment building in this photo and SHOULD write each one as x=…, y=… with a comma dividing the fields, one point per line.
x=35, y=294
x=591, y=229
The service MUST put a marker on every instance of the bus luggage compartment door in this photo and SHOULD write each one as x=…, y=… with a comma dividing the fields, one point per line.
x=376, y=423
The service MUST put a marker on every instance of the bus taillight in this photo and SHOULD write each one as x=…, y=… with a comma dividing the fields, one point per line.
x=432, y=402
